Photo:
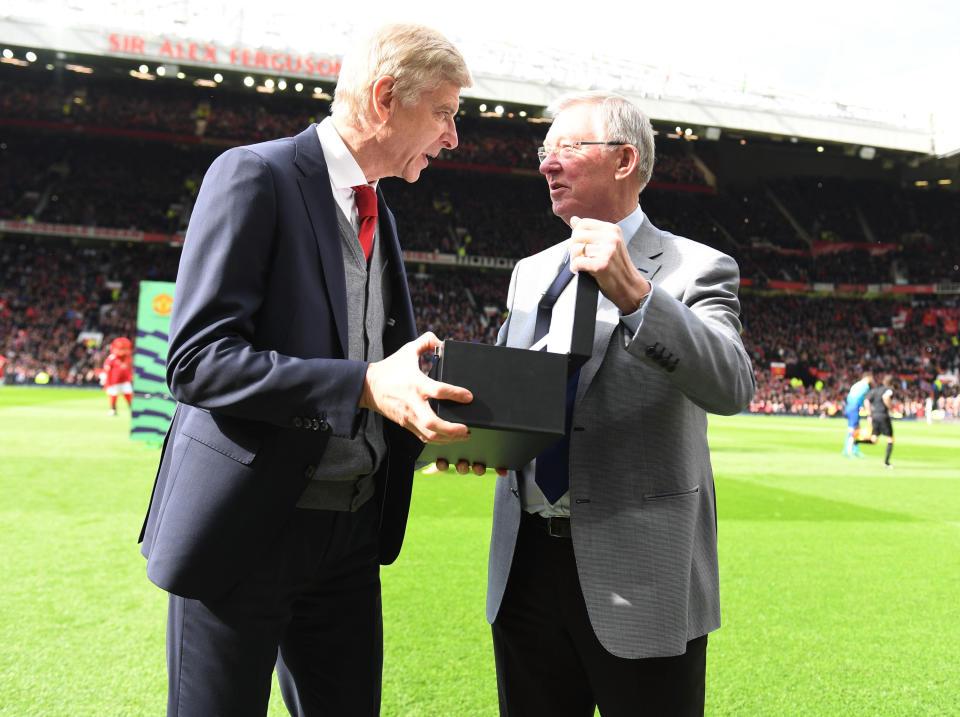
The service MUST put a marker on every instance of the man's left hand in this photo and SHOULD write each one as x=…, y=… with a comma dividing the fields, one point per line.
x=463, y=467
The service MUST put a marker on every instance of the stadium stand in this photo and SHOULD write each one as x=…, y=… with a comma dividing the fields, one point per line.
x=91, y=152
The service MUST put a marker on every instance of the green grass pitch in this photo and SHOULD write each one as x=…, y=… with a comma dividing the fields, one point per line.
x=840, y=581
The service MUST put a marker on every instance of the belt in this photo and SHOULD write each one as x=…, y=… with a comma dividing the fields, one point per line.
x=556, y=526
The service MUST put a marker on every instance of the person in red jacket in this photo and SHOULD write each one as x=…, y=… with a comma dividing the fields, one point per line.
x=117, y=374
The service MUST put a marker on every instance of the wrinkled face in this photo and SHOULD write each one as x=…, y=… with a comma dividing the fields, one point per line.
x=580, y=179
x=416, y=133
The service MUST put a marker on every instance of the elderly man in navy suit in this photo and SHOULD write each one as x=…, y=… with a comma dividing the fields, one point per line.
x=285, y=477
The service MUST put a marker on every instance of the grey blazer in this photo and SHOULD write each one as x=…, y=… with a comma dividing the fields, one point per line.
x=643, y=509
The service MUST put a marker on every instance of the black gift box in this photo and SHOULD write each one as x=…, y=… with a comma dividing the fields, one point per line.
x=519, y=396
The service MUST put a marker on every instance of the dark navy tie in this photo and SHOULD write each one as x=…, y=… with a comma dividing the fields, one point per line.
x=553, y=465
x=552, y=473
x=549, y=298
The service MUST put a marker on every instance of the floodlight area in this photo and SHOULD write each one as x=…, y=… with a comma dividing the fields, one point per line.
x=925, y=167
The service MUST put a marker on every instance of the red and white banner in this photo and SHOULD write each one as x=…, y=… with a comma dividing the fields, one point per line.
x=21, y=226
x=140, y=45
x=231, y=56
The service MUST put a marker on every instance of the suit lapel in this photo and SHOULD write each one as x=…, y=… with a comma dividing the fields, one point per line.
x=401, y=308
x=538, y=275
x=321, y=209
x=645, y=249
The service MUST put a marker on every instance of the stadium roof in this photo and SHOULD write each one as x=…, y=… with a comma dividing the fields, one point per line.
x=826, y=73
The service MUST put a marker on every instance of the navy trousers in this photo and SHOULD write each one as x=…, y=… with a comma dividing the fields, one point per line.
x=309, y=606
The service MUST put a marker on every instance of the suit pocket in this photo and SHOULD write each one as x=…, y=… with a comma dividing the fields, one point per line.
x=232, y=437
x=666, y=536
x=674, y=495
x=218, y=509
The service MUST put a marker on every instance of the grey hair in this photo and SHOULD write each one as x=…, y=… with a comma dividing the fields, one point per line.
x=623, y=122
x=417, y=57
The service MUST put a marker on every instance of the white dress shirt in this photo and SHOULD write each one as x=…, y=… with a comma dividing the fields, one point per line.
x=345, y=173
x=530, y=494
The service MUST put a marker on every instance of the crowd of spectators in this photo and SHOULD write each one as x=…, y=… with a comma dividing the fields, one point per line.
x=54, y=292
x=91, y=151
x=94, y=181
x=808, y=351
x=131, y=183
x=174, y=109
x=145, y=145
x=186, y=113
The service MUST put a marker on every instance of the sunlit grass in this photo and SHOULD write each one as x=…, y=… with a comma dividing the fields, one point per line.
x=839, y=579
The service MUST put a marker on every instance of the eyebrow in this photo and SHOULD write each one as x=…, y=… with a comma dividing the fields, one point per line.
x=451, y=107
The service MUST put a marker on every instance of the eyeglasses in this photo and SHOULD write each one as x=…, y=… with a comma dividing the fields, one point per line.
x=565, y=149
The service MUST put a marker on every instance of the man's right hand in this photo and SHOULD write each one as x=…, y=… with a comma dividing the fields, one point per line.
x=398, y=389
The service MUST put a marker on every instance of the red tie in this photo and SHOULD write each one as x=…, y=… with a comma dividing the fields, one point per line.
x=366, y=198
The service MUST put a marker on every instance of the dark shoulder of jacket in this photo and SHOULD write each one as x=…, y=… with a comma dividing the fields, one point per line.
x=282, y=149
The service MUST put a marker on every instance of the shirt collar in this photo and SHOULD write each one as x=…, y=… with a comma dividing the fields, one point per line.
x=343, y=169
x=630, y=224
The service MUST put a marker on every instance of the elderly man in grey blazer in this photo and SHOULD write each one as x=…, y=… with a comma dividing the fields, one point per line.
x=603, y=579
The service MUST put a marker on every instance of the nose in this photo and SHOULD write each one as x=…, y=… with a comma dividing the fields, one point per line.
x=549, y=164
x=449, y=136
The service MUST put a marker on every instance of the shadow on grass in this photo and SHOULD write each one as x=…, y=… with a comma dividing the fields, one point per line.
x=744, y=500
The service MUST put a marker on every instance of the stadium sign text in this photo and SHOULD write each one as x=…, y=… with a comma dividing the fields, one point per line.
x=237, y=57
x=493, y=262
x=435, y=257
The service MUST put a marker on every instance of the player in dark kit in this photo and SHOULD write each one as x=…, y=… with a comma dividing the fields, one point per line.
x=881, y=405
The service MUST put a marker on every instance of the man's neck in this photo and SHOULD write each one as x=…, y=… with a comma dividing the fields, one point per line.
x=614, y=215
x=361, y=141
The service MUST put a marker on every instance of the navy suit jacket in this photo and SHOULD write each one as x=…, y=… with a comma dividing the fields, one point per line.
x=257, y=362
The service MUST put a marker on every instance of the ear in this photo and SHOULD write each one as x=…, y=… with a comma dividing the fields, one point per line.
x=383, y=97
x=628, y=157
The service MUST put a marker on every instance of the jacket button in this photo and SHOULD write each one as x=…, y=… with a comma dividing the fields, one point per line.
x=324, y=426
x=297, y=422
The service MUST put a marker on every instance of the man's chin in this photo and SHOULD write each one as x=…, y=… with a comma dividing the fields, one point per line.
x=412, y=175
x=560, y=212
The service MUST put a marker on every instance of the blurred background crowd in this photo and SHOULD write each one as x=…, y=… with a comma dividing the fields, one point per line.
x=91, y=153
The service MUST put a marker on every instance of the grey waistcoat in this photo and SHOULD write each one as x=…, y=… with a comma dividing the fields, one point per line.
x=343, y=480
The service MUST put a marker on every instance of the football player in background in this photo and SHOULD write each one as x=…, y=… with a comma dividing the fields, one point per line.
x=116, y=377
